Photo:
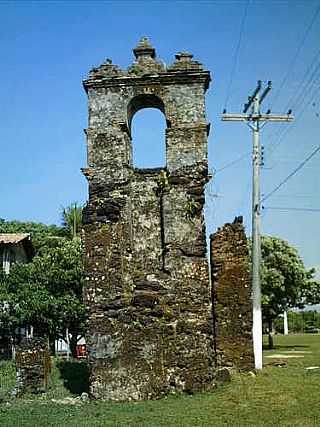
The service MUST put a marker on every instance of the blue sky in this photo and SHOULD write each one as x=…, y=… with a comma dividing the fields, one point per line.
x=48, y=47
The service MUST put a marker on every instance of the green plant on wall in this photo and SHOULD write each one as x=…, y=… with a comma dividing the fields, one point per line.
x=192, y=208
x=163, y=182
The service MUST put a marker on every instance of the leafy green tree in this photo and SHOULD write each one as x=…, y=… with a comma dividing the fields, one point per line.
x=312, y=292
x=46, y=293
x=284, y=279
x=42, y=235
x=72, y=219
x=9, y=315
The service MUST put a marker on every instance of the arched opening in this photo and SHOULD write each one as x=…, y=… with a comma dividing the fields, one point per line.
x=148, y=138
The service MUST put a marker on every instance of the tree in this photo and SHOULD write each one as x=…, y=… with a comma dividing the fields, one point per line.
x=46, y=293
x=72, y=219
x=42, y=235
x=312, y=292
x=284, y=279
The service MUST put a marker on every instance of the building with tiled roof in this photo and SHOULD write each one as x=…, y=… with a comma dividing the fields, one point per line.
x=15, y=247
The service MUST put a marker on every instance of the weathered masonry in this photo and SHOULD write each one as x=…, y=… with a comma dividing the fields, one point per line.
x=147, y=292
x=231, y=291
x=33, y=366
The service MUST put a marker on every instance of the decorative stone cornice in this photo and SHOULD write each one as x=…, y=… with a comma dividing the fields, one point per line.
x=165, y=78
x=146, y=62
x=146, y=66
x=184, y=62
x=144, y=49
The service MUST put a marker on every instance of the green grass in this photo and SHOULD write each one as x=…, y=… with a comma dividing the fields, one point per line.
x=7, y=377
x=277, y=396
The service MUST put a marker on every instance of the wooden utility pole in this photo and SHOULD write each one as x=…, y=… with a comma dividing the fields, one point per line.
x=254, y=119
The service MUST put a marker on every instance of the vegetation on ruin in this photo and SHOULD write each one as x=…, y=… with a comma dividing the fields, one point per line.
x=278, y=396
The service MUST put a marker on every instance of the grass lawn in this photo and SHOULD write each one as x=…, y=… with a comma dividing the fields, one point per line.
x=277, y=396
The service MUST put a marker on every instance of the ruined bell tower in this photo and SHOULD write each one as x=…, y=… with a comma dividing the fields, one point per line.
x=147, y=286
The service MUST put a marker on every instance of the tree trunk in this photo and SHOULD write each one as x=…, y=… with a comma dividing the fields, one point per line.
x=68, y=343
x=52, y=345
x=270, y=333
x=73, y=343
x=13, y=347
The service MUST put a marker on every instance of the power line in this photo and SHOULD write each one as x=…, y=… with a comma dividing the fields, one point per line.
x=291, y=209
x=291, y=174
x=245, y=199
x=293, y=61
x=236, y=53
x=296, y=196
x=233, y=162
x=254, y=118
x=298, y=98
x=276, y=143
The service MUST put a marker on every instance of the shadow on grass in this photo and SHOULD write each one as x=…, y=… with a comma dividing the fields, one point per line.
x=75, y=376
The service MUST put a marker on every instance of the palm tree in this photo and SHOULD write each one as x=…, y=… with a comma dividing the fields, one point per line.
x=72, y=219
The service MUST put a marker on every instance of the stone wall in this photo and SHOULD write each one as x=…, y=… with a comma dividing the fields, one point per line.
x=147, y=291
x=231, y=293
x=33, y=366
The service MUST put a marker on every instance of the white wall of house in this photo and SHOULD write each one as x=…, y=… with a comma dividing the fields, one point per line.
x=62, y=346
x=6, y=262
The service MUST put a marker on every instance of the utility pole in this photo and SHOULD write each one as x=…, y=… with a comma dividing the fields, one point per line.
x=256, y=121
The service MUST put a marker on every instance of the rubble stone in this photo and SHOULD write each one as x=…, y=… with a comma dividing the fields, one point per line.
x=231, y=294
x=33, y=366
x=147, y=292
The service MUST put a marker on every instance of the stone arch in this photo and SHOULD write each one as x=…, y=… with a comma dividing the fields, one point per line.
x=148, y=139
x=141, y=101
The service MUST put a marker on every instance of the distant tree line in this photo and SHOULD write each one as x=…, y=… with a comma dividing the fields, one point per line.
x=300, y=322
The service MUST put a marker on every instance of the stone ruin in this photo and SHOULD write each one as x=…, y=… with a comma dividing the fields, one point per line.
x=148, y=297
x=231, y=288
x=33, y=366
